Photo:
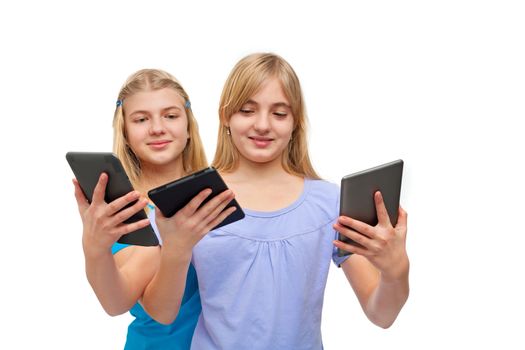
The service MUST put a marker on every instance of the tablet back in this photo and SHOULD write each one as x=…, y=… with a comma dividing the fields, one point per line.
x=357, y=193
x=173, y=196
x=87, y=167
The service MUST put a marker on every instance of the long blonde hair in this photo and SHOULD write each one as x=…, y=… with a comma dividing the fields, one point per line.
x=243, y=82
x=193, y=156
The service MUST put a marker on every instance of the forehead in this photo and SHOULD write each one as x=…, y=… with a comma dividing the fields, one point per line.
x=271, y=91
x=153, y=100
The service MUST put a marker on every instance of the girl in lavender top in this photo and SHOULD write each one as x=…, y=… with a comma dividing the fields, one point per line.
x=262, y=279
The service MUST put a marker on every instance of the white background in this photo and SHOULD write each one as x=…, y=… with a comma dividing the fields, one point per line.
x=438, y=83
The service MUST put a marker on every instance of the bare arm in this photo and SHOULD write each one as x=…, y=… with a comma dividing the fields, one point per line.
x=163, y=295
x=117, y=281
x=380, y=298
x=378, y=271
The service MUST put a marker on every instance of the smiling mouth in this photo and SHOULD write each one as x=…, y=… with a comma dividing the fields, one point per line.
x=260, y=139
x=261, y=142
x=158, y=143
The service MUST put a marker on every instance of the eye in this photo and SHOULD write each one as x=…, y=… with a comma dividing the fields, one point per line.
x=246, y=111
x=280, y=114
x=171, y=116
x=139, y=120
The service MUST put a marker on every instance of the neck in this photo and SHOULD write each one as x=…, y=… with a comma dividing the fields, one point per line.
x=264, y=186
x=259, y=172
x=156, y=175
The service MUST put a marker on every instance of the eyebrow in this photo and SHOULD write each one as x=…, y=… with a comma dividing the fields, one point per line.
x=162, y=110
x=276, y=104
x=171, y=107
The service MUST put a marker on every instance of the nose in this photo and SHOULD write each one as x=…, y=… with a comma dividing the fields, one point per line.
x=156, y=126
x=262, y=123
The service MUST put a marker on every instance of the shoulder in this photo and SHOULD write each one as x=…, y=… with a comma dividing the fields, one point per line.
x=325, y=195
x=322, y=190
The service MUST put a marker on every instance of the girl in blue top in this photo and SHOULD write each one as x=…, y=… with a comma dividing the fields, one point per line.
x=156, y=138
x=262, y=279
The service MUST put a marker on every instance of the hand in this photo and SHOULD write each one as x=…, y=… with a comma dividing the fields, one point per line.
x=190, y=224
x=103, y=223
x=383, y=245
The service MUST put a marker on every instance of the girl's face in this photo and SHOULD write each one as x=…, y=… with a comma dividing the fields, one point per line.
x=156, y=126
x=263, y=126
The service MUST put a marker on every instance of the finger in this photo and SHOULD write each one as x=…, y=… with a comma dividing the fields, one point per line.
x=81, y=199
x=358, y=226
x=223, y=215
x=100, y=189
x=382, y=213
x=158, y=214
x=401, y=219
x=124, y=229
x=353, y=235
x=215, y=213
x=121, y=202
x=125, y=214
x=190, y=208
x=215, y=206
x=351, y=248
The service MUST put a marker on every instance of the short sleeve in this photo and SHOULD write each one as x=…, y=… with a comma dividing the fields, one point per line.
x=338, y=260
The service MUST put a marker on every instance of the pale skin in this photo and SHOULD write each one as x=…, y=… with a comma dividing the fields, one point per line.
x=156, y=129
x=261, y=131
x=378, y=272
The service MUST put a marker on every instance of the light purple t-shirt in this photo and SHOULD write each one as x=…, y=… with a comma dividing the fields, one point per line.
x=262, y=279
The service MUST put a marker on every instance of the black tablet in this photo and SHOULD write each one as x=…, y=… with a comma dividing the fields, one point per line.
x=357, y=194
x=173, y=196
x=87, y=167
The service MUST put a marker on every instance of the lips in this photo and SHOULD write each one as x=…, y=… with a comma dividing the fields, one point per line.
x=260, y=141
x=159, y=144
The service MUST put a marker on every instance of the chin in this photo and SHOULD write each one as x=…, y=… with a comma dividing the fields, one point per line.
x=162, y=159
x=261, y=158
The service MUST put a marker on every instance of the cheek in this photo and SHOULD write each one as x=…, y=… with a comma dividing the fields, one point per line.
x=182, y=128
x=239, y=126
x=131, y=134
x=284, y=128
x=178, y=130
x=235, y=137
x=133, y=138
x=185, y=132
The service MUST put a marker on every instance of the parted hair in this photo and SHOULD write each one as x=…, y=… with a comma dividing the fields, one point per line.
x=243, y=82
x=193, y=156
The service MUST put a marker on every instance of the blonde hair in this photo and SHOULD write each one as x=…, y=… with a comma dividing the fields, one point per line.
x=193, y=157
x=243, y=82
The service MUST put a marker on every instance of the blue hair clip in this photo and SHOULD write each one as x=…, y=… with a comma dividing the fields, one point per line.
x=187, y=104
x=119, y=103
